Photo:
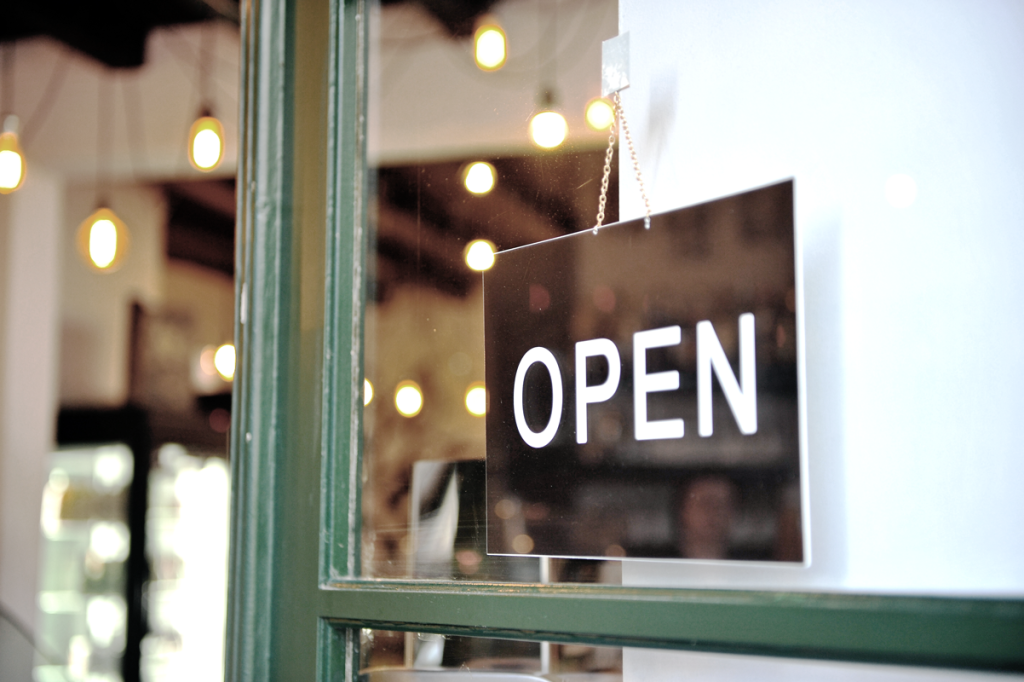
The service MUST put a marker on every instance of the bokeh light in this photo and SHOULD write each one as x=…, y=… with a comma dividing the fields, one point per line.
x=479, y=177
x=476, y=399
x=103, y=240
x=489, y=47
x=206, y=143
x=523, y=543
x=224, y=361
x=480, y=255
x=408, y=399
x=12, y=163
x=367, y=392
x=599, y=115
x=548, y=129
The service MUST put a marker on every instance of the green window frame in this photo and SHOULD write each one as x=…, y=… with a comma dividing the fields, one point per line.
x=296, y=600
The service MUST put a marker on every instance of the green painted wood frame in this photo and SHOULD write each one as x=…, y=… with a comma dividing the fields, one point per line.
x=296, y=601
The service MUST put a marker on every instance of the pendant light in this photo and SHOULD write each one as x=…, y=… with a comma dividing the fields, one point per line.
x=206, y=137
x=548, y=128
x=206, y=142
x=12, y=158
x=490, y=45
x=103, y=236
x=103, y=239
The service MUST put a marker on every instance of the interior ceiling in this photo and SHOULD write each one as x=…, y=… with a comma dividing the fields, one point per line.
x=201, y=223
x=113, y=32
x=457, y=16
x=425, y=218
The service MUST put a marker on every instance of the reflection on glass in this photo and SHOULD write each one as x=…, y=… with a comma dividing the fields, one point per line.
x=456, y=178
x=490, y=47
x=408, y=399
x=600, y=115
x=479, y=178
x=480, y=255
x=388, y=656
x=476, y=400
x=548, y=129
x=224, y=361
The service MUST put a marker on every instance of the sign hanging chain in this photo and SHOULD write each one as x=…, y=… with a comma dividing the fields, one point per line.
x=607, y=173
x=621, y=115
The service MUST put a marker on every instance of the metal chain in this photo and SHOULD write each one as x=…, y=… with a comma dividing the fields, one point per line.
x=608, y=166
x=607, y=174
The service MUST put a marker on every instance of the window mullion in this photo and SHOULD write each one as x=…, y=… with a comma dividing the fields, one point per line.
x=968, y=633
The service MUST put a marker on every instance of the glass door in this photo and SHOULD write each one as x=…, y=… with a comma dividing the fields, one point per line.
x=358, y=517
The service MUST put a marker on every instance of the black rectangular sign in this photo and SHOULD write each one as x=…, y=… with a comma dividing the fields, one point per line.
x=643, y=387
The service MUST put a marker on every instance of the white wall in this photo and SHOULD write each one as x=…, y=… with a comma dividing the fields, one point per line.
x=30, y=266
x=914, y=316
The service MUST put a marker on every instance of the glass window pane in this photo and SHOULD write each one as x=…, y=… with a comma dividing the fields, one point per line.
x=456, y=175
x=391, y=656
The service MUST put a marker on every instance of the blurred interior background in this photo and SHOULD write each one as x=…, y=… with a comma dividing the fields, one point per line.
x=117, y=212
x=116, y=406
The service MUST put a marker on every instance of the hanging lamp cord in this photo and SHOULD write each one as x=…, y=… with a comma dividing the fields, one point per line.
x=6, y=80
x=618, y=113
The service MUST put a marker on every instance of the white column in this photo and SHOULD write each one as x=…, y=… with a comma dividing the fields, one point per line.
x=29, y=266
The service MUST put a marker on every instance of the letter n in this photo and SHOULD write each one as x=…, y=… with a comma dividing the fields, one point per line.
x=741, y=395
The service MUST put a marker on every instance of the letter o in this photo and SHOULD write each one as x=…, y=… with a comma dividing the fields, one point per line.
x=545, y=357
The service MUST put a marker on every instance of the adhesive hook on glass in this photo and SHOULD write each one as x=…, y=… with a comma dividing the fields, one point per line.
x=614, y=79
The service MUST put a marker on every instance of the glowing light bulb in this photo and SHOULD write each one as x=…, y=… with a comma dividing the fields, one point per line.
x=367, y=392
x=599, y=115
x=206, y=143
x=479, y=177
x=408, y=399
x=476, y=399
x=480, y=255
x=224, y=361
x=103, y=240
x=548, y=129
x=12, y=163
x=489, y=47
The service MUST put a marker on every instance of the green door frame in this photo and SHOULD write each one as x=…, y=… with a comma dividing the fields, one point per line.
x=296, y=601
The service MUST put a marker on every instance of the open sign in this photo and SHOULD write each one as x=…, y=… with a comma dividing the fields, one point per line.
x=741, y=394
x=633, y=371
